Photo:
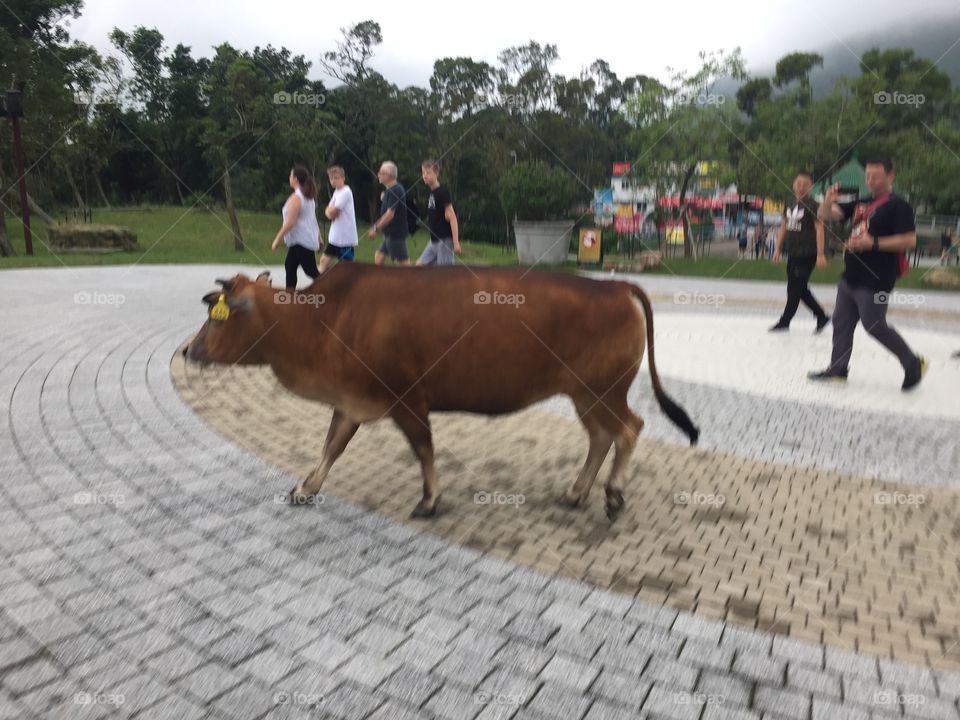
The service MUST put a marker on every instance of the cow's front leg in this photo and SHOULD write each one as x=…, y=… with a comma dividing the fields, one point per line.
x=416, y=426
x=341, y=430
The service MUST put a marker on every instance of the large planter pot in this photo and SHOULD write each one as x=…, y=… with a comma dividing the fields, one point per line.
x=543, y=242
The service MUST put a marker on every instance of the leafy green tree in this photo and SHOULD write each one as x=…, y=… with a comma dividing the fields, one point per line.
x=680, y=124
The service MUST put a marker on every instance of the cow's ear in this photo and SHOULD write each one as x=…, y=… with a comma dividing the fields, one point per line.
x=264, y=278
x=210, y=298
x=239, y=303
x=227, y=285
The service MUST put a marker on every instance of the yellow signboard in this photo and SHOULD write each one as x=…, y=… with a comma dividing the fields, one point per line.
x=588, y=250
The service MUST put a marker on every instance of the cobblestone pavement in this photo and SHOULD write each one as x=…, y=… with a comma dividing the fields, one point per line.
x=147, y=571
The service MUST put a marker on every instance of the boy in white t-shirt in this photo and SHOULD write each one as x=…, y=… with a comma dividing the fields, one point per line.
x=343, y=239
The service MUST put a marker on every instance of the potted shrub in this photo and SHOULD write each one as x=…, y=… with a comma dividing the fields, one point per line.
x=538, y=197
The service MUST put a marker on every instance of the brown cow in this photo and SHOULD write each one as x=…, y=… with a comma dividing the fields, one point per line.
x=378, y=342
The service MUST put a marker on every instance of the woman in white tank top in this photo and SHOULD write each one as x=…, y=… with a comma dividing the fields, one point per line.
x=300, y=231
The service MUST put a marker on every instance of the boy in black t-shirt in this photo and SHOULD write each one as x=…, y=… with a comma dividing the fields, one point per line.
x=881, y=232
x=801, y=235
x=441, y=220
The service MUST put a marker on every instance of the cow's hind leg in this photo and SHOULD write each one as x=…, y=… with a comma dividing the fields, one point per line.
x=626, y=426
x=416, y=427
x=600, y=441
x=341, y=430
x=624, y=442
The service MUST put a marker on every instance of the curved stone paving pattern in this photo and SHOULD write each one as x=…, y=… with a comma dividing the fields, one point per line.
x=812, y=554
x=147, y=572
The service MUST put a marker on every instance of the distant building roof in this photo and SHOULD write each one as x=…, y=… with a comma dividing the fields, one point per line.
x=849, y=175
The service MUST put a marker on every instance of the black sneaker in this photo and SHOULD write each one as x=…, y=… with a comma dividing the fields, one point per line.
x=779, y=327
x=821, y=324
x=913, y=377
x=828, y=375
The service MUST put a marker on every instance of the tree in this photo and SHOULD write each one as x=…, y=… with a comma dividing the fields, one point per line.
x=683, y=123
x=461, y=86
x=349, y=62
x=524, y=74
x=752, y=93
x=238, y=91
x=536, y=191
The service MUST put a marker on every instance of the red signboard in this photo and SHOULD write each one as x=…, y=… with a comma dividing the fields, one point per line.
x=627, y=223
x=621, y=168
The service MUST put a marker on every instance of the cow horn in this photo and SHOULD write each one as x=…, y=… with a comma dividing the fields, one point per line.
x=225, y=284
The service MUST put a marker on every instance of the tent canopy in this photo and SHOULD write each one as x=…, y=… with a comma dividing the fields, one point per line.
x=848, y=175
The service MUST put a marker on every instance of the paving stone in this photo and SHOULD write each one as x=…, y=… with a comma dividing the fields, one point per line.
x=411, y=687
x=786, y=702
x=558, y=701
x=175, y=662
x=906, y=678
x=393, y=710
x=349, y=701
x=252, y=700
x=328, y=652
x=619, y=689
x=803, y=677
x=463, y=669
x=379, y=639
x=570, y=673
x=29, y=676
x=422, y=654
x=725, y=689
x=268, y=666
x=803, y=652
x=828, y=710
x=719, y=712
x=762, y=668
x=706, y=655
x=844, y=662
x=453, y=703
x=704, y=629
x=668, y=673
x=672, y=703
x=209, y=681
x=368, y=670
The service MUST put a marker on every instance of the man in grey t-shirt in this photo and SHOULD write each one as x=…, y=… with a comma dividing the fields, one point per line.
x=393, y=218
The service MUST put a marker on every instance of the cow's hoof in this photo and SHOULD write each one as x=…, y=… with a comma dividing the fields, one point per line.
x=615, y=504
x=569, y=501
x=299, y=498
x=423, y=510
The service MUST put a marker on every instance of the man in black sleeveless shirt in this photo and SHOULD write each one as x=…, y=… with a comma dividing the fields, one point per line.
x=801, y=236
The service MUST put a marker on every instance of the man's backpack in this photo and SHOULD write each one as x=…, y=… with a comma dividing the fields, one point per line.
x=413, y=214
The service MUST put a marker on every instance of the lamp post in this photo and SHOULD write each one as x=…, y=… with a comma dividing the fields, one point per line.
x=14, y=111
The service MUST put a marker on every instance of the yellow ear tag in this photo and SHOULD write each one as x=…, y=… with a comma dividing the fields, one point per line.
x=220, y=311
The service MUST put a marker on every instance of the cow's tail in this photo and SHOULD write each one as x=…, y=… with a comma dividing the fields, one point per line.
x=673, y=411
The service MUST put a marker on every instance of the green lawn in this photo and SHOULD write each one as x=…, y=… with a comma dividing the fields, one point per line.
x=177, y=235
x=169, y=234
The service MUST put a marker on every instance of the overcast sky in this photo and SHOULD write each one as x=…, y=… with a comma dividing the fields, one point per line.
x=634, y=37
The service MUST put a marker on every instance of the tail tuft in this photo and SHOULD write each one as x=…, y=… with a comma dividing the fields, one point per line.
x=678, y=416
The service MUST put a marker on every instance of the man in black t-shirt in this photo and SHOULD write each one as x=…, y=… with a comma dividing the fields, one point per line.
x=801, y=236
x=393, y=218
x=441, y=220
x=882, y=230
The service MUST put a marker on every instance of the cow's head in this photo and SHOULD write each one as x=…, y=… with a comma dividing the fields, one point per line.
x=235, y=330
